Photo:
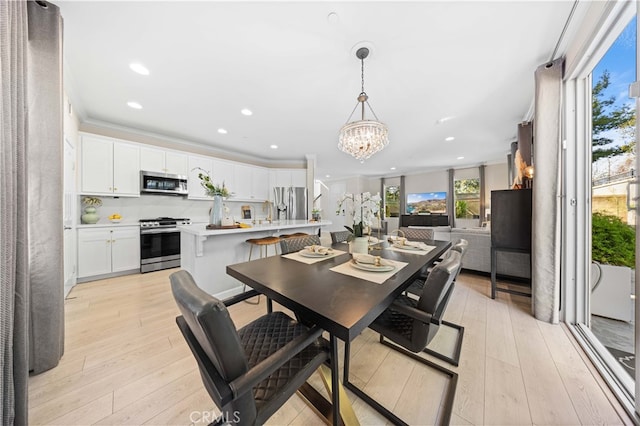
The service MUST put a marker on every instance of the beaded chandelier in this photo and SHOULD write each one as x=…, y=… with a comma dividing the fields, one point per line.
x=363, y=138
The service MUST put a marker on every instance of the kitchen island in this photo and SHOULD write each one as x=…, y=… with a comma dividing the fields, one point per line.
x=205, y=253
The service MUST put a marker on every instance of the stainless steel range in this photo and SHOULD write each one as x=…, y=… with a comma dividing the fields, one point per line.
x=160, y=243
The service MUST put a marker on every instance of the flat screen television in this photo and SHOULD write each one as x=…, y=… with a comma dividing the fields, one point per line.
x=427, y=202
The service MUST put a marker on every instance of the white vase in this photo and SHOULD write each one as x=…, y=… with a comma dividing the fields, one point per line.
x=216, y=211
x=359, y=245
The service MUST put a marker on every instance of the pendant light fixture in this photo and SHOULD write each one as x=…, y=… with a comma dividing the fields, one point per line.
x=363, y=138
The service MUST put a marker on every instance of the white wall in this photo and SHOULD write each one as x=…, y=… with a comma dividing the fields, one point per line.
x=70, y=144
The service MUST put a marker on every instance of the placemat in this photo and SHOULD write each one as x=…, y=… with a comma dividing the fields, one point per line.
x=420, y=252
x=309, y=260
x=376, y=277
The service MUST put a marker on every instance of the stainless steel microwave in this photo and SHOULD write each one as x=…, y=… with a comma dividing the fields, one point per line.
x=162, y=183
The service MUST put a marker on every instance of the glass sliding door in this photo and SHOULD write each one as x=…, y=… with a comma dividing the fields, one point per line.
x=613, y=222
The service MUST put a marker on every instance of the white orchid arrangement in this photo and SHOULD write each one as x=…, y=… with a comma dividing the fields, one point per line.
x=363, y=208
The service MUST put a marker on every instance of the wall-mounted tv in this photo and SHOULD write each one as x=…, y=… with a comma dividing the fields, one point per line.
x=427, y=202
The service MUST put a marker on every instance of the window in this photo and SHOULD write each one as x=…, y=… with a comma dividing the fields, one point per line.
x=467, y=198
x=392, y=201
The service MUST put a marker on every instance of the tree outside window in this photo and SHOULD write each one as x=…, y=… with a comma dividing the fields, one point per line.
x=392, y=201
x=467, y=197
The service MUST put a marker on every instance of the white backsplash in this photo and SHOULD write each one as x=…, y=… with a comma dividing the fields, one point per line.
x=152, y=206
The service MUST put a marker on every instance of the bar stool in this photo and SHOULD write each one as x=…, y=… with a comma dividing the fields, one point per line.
x=297, y=234
x=260, y=243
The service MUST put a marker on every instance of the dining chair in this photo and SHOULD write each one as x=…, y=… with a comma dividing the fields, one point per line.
x=412, y=324
x=290, y=245
x=460, y=246
x=417, y=233
x=250, y=372
x=339, y=236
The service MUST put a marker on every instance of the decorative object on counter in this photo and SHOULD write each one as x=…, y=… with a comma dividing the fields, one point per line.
x=218, y=192
x=363, y=138
x=315, y=214
x=362, y=208
x=115, y=218
x=90, y=215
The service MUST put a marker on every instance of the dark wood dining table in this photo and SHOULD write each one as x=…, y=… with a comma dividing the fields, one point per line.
x=341, y=304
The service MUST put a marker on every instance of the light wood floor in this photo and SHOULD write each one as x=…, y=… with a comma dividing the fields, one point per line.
x=125, y=362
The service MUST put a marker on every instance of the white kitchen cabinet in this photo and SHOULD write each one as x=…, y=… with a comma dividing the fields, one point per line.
x=243, y=177
x=224, y=172
x=106, y=250
x=290, y=177
x=196, y=162
x=176, y=163
x=162, y=161
x=109, y=167
x=251, y=182
x=261, y=184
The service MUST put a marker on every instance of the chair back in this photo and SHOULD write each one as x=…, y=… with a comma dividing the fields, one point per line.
x=339, y=236
x=435, y=295
x=293, y=244
x=460, y=246
x=417, y=233
x=213, y=339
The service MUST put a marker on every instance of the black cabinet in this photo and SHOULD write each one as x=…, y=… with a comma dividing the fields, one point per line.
x=510, y=228
x=424, y=220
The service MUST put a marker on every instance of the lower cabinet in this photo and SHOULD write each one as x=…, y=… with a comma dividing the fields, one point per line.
x=106, y=250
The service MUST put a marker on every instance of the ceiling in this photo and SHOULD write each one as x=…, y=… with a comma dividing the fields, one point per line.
x=294, y=65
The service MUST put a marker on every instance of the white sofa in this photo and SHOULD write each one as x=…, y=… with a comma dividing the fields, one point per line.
x=478, y=256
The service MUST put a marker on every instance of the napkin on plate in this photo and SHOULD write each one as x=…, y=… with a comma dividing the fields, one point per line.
x=368, y=259
x=319, y=249
x=415, y=244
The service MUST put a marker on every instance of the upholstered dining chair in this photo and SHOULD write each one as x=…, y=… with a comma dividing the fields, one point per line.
x=290, y=245
x=416, y=233
x=251, y=372
x=412, y=324
x=460, y=246
x=339, y=236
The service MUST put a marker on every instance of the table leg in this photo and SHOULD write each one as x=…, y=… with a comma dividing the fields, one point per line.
x=347, y=357
x=335, y=380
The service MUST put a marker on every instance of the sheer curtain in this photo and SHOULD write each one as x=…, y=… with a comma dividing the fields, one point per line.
x=14, y=295
x=546, y=192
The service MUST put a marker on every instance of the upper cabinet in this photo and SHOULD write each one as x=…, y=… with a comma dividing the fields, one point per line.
x=163, y=161
x=197, y=164
x=252, y=183
x=109, y=167
x=289, y=177
x=224, y=173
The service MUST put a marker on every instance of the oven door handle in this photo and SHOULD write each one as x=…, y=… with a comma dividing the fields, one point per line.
x=159, y=231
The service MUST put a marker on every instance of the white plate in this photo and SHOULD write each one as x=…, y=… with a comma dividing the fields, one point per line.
x=307, y=253
x=373, y=268
x=408, y=247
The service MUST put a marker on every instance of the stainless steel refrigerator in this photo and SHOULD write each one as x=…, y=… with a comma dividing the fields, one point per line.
x=290, y=202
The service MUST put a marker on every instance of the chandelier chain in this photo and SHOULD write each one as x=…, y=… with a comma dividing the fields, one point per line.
x=362, y=74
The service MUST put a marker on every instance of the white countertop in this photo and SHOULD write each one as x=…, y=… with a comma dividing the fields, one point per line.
x=107, y=225
x=201, y=229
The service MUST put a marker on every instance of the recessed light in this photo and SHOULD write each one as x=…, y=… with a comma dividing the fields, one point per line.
x=327, y=176
x=393, y=168
x=222, y=131
x=246, y=111
x=139, y=68
x=273, y=146
x=134, y=105
x=460, y=158
x=449, y=138
x=443, y=119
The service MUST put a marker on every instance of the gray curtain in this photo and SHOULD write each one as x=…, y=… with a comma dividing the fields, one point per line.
x=31, y=277
x=45, y=194
x=483, y=202
x=546, y=192
x=14, y=295
x=403, y=198
x=450, y=200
